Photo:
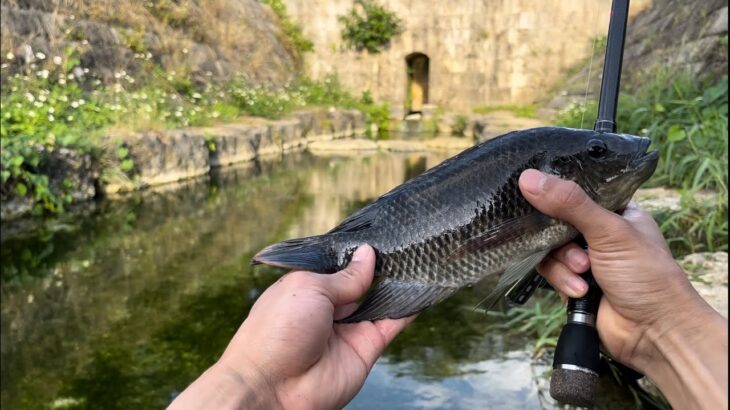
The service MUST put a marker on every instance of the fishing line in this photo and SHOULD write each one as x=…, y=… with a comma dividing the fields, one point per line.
x=588, y=82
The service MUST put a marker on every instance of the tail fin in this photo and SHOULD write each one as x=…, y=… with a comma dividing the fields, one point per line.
x=314, y=253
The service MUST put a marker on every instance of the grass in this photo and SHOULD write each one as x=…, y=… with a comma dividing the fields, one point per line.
x=52, y=105
x=523, y=110
x=687, y=122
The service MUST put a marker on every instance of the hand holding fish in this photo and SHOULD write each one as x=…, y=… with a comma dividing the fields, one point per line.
x=650, y=317
x=288, y=353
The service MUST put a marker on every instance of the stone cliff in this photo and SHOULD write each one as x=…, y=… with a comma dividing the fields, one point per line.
x=195, y=38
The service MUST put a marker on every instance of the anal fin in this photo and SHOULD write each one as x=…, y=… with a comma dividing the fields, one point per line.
x=393, y=299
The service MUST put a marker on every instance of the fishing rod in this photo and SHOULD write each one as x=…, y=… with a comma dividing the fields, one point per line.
x=577, y=360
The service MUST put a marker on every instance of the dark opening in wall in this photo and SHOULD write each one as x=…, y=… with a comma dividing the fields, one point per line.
x=417, y=82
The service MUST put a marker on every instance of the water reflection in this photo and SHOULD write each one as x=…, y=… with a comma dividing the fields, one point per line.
x=123, y=306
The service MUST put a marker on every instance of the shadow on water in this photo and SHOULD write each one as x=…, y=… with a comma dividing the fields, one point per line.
x=124, y=304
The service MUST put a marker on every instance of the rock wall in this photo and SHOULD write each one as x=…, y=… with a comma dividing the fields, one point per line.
x=667, y=34
x=480, y=52
x=204, y=38
x=169, y=156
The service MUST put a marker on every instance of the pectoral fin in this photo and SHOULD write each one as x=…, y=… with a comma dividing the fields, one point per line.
x=512, y=276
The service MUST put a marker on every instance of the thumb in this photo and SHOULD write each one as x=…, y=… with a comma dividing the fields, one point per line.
x=349, y=284
x=566, y=200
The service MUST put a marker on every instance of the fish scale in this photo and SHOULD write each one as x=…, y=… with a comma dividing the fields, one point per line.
x=466, y=218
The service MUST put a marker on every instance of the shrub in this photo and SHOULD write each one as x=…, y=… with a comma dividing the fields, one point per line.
x=458, y=125
x=370, y=29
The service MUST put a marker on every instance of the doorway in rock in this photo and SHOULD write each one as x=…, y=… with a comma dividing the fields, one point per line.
x=417, y=87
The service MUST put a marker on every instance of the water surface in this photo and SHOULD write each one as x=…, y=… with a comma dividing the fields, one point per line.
x=123, y=304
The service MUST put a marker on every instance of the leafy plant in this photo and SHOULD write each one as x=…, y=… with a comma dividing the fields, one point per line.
x=369, y=26
x=297, y=42
x=458, y=125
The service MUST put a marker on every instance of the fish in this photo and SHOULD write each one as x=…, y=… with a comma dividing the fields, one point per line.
x=465, y=219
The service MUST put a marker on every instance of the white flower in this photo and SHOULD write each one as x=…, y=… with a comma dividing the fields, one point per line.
x=29, y=97
x=43, y=74
x=70, y=118
x=51, y=118
x=197, y=96
x=51, y=110
x=185, y=50
x=31, y=114
x=62, y=81
x=57, y=60
x=70, y=76
x=75, y=104
x=40, y=56
x=10, y=56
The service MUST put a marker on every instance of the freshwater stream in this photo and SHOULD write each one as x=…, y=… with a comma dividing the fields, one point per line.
x=122, y=304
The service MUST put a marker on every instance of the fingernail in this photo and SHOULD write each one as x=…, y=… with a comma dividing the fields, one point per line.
x=577, y=285
x=578, y=257
x=359, y=254
x=533, y=181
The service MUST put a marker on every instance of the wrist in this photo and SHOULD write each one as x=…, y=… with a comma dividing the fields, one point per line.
x=222, y=387
x=256, y=391
x=682, y=353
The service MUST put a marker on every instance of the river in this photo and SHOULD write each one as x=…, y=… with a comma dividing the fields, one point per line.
x=121, y=304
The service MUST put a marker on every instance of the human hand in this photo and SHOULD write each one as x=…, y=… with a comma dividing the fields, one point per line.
x=288, y=352
x=650, y=313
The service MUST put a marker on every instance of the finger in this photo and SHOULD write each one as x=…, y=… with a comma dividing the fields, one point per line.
x=349, y=284
x=566, y=201
x=344, y=311
x=390, y=328
x=573, y=256
x=562, y=278
x=369, y=339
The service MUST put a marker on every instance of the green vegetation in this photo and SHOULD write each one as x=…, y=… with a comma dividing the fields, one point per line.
x=524, y=110
x=296, y=41
x=54, y=106
x=369, y=26
x=459, y=124
x=687, y=122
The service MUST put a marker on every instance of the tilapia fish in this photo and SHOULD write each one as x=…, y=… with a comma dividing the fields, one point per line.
x=466, y=219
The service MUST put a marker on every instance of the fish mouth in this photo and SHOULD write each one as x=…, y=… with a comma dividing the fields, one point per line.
x=645, y=161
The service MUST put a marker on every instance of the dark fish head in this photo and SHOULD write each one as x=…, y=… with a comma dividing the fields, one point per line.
x=609, y=167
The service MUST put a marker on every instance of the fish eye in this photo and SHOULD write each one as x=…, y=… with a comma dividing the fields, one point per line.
x=596, y=148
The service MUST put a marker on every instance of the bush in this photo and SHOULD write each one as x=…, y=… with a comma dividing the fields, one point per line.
x=372, y=30
x=458, y=125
